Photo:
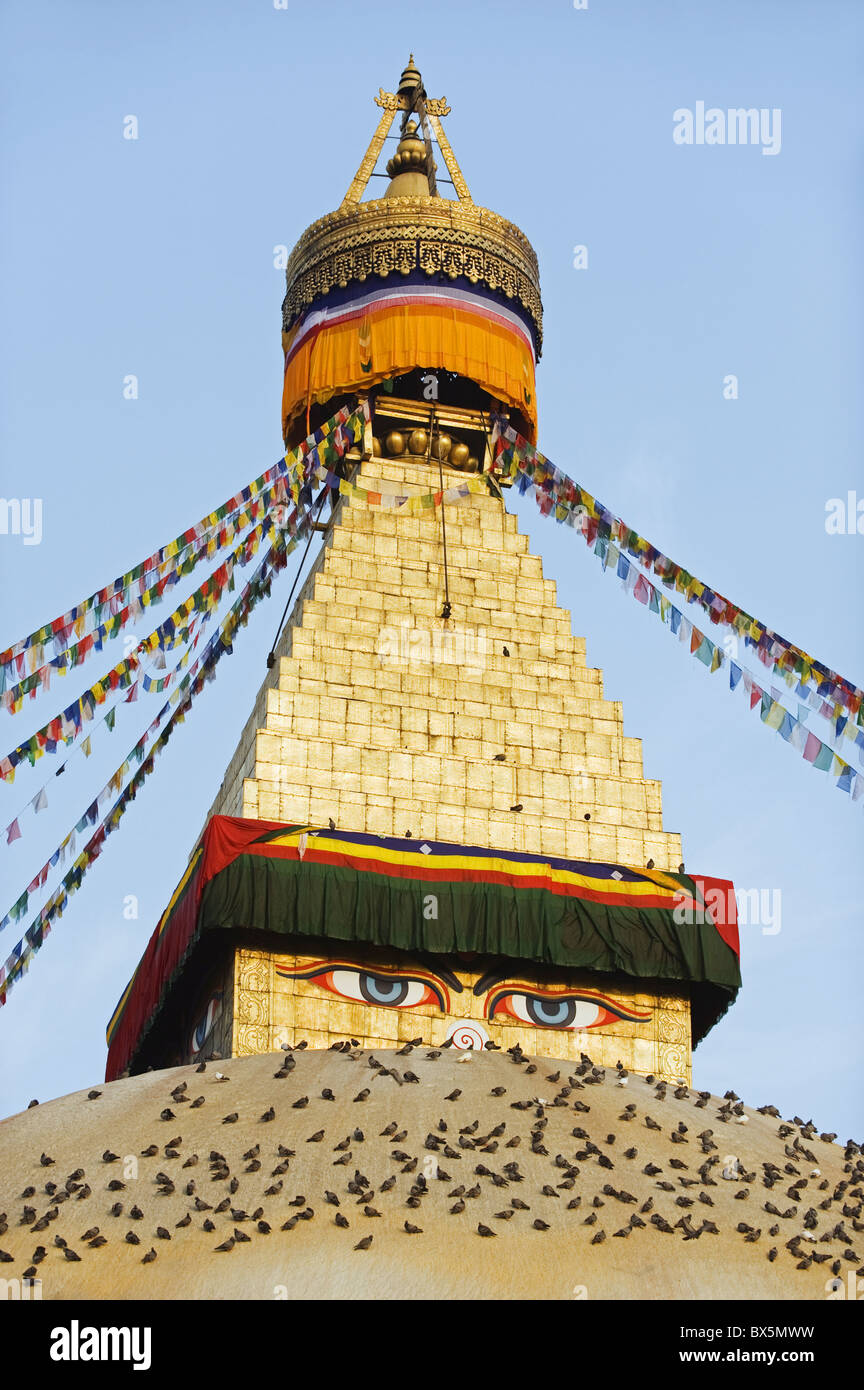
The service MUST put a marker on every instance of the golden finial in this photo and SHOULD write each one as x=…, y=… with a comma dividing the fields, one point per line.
x=410, y=79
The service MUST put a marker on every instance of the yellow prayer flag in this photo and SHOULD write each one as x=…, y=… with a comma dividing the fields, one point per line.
x=775, y=715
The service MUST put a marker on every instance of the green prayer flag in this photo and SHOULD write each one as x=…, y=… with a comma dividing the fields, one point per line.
x=824, y=759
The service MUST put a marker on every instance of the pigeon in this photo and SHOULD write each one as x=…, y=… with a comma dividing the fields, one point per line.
x=364, y=1243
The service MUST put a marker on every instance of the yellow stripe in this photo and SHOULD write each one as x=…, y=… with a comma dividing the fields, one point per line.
x=504, y=866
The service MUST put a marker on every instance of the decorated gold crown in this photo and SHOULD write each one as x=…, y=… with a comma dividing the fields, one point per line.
x=419, y=249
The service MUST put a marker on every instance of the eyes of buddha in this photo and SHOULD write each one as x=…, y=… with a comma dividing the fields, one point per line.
x=538, y=1008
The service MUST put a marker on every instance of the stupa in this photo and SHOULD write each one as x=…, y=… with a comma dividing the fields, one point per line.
x=432, y=925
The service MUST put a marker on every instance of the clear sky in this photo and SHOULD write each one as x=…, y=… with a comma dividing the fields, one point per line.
x=154, y=257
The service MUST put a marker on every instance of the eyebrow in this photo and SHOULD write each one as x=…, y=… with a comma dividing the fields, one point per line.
x=435, y=968
x=439, y=971
x=492, y=977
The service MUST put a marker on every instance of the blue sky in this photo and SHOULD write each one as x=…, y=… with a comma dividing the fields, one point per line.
x=154, y=257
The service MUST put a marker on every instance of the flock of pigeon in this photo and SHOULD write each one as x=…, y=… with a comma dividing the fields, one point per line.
x=502, y=1146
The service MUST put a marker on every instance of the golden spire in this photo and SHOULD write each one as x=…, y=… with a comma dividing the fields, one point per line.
x=418, y=164
x=410, y=79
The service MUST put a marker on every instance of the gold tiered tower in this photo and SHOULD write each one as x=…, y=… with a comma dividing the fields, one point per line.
x=428, y=698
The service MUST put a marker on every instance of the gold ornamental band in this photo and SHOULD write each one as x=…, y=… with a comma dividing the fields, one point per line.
x=430, y=234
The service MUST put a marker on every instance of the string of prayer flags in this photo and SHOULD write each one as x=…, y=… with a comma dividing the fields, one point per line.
x=418, y=503
x=168, y=634
x=326, y=445
x=67, y=726
x=830, y=695
x=111, y=607
x=13, y=831
x=169, y=574
x=201, y=673
x=713, y=656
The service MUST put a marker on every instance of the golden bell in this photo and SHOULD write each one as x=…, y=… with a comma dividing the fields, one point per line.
x=473, y=464
x=418, y=442
x=395, y=442
x=376, y=447
x=459, y=454
x=441, y=446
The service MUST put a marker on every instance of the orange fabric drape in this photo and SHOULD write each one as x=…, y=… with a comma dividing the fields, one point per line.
x=404, y=337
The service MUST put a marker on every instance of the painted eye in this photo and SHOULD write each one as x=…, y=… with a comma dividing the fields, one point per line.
x=573, y=1011
x=546, y=1011
x=205, y=1024
x=386, y=988
x=389, y=991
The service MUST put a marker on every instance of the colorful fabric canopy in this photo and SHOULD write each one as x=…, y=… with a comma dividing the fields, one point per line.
x=262, y=876
x=362, y=335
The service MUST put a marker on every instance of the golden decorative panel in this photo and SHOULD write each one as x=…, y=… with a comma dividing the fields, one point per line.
x=392, y=236
x=383, y=999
